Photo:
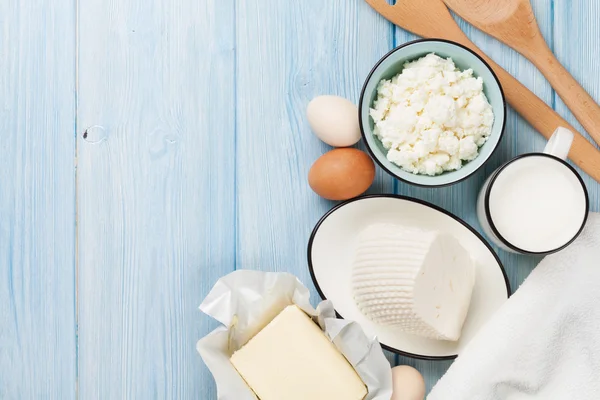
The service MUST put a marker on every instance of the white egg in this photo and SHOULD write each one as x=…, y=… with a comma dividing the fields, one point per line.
x=334, y=120
x=408, y=383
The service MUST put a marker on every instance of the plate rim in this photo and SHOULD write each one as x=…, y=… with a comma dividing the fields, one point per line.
x=414, y=200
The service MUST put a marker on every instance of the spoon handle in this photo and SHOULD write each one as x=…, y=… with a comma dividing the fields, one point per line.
x=541, y=117
x=581, y=104
x=545, y=120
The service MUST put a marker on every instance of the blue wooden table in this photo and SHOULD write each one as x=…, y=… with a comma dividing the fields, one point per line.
x=148, y=148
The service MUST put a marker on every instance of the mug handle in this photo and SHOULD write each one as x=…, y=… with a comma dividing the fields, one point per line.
x=560, y=143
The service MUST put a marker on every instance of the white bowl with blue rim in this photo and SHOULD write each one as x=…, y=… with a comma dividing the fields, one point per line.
x=391, y=65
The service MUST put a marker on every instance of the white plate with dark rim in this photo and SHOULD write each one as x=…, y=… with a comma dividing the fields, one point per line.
x=330, y=256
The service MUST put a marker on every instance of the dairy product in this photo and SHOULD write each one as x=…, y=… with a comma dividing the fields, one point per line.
x=292, y=359
x=432, y=117
x=420, y=281
x=537, y=204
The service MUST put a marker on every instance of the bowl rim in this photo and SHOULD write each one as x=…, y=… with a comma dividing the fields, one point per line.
x=362, y=101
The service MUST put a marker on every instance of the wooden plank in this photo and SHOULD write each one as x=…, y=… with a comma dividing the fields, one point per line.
x=461, y=198
x=577, y=38
x=37, y=200
x=155, y=191
x=288, y=53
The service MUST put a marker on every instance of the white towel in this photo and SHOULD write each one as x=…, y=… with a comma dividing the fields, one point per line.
x=544, y=343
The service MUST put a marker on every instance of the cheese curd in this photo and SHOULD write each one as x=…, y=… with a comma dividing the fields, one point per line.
x=432, y=117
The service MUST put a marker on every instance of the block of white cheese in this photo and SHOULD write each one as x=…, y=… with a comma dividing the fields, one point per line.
x=292, y=359
x=420, y=281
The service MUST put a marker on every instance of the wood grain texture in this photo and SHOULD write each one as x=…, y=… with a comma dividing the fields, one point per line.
x=161, y=145
x=577, y=37
x=519, y=138
x=155, y=188
x=37, y=200
x=288, y=53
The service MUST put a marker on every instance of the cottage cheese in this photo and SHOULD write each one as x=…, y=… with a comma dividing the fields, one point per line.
x=432, y=117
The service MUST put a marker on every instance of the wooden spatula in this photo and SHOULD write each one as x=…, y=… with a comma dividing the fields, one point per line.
x=513, y=22
x=431, y=18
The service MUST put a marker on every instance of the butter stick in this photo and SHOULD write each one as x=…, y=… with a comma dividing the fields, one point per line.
x=292, y=359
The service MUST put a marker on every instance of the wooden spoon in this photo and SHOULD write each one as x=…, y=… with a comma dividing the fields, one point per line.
x=431, y=19
x=513, y=22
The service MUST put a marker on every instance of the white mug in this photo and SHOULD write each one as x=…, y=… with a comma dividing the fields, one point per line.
x=535, y=203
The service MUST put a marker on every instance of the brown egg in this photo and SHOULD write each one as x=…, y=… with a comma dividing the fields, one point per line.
x=341, y=174
x=408, y=383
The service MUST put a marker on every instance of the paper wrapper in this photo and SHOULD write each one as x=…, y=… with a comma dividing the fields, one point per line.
x=244, y=302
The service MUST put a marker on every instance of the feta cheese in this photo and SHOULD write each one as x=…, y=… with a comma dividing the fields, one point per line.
x=432, y=117
x=420, y=281
x=292, y=359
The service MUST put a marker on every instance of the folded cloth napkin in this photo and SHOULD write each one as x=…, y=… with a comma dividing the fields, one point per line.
x=544, y=342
